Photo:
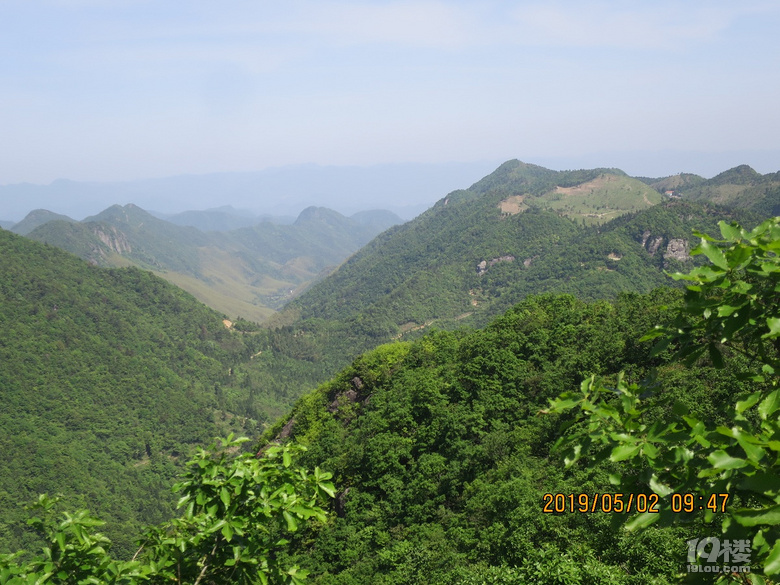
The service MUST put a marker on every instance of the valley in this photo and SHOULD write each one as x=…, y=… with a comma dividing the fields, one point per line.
x=415, y=361
x=244, y=272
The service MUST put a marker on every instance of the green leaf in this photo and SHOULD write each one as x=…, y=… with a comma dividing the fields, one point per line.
x=727, y=310
x=623, y=452
x=328, y=488
x=773, y=323
x=659, y=488
x=772, y=561
x=714, y=254
x=770, y=515
x=642, y=521
x=722, y=460
x=769, y=405
x=743, y=405
x=224, y=495
x=761, y=482
x=292, y=524
x=731, y=232
x=715, y=356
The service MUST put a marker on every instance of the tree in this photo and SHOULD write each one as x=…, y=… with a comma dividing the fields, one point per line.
x=731, y=311
x=237, y=512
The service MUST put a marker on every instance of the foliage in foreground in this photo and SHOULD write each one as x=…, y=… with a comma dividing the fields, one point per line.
x=731, y=310
x=236, y=514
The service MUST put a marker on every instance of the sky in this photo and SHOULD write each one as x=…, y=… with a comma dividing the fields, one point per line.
x=110, y=90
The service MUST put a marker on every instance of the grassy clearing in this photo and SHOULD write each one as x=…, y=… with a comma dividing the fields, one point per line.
x=601, y=199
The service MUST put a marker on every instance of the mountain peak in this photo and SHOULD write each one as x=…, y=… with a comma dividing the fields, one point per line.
x=319, y=215
x=35, y=218
x=127, y=214
x=740, y=175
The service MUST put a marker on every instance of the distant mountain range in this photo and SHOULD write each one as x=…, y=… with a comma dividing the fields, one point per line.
x=478, y=250
x=247, y=271
x=405, y=189
x=221, y=219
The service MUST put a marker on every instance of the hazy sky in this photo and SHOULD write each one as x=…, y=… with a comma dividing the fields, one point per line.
x=122, y=89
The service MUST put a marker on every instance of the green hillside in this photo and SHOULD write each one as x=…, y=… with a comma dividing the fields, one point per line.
x=248, y=272
x=740, y=187
x=601, y=199
x=37, y=218
x=442, y=460
x=467, y=259
x=108, y=379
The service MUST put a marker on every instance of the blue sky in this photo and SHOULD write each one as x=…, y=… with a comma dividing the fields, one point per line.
x=120, y=89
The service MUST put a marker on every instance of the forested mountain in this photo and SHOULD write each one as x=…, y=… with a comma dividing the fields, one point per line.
x=448, y=457
x=476, y=253
x=108, y=379
x=442, y=460
x=740, y=187
x=220, y=219
x=37, y=218
x=246, y=272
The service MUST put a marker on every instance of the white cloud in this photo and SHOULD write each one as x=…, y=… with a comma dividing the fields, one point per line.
x=628, y=25
x=426, y=24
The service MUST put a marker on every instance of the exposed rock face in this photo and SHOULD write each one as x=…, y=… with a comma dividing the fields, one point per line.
x=347, y=397
x=114, y=239
x=495, y=261
x=483, y=266
x=677, y=249
x=340, y=503
x=287, y=429
x=654, y=244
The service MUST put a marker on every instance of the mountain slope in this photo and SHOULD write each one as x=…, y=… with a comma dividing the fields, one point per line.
x=247, y=272
x=108, y=378
x=221, y=219
x=37, y=218
x=740, y=187
x=442, y=460
x=468, y=259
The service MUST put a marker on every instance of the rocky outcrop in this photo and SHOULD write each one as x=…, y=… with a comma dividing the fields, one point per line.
x=343, y=399
x=677, y=249
x=340, y=503
x=650, y=243
x=348, y=396
x=485, y=264
x=287, y=430
x=114, y=239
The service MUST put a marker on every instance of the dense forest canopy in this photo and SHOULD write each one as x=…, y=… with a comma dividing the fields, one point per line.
x=108, y=378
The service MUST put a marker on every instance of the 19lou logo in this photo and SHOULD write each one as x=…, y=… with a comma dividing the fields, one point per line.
x=727, y=556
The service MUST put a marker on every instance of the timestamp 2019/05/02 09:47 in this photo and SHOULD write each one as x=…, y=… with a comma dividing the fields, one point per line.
x=619, y=503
